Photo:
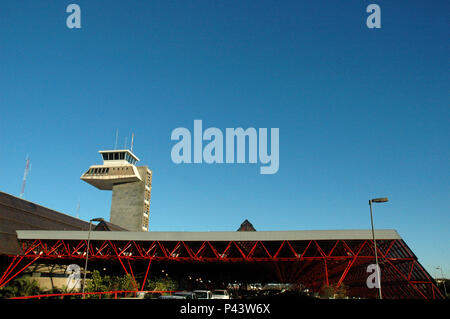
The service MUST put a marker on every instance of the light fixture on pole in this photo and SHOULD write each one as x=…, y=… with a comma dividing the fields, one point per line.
x=443, y=280
x=87, y=248
x=376, y=200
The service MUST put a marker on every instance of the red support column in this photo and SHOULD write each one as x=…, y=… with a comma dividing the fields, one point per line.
x=132, y=275
x=350, y=264
x=7, y=271
x=5, y=280
x=324, y=257
x=146, y=273
x=326, y=271
x=278, y=271
x=123, y=266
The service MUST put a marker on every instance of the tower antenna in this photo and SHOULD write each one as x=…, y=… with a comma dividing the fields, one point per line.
x=27, y=170
x=117, y=136
x=78, y=209
x=132, y=140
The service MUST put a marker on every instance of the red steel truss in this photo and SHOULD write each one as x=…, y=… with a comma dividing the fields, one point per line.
x=312, y=263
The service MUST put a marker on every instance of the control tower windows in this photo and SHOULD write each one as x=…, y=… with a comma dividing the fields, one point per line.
x=119, y=155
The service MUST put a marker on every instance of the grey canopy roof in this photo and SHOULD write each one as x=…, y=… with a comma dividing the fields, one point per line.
x=211, y=236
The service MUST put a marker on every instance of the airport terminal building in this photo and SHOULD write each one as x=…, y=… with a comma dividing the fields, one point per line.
x=33, y=235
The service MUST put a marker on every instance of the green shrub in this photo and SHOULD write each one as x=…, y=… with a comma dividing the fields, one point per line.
x=99, y=283
x=20, y=287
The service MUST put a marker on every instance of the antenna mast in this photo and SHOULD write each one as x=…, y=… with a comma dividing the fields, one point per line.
x=132, y=140
x=117, y=135
x=27, y=170
x=78, y=209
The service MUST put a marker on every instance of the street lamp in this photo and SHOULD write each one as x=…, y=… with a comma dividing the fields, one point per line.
x=443, y=279
x=376, y=200
x=87, y=248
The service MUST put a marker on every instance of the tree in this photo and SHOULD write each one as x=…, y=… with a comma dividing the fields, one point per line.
x=161, y=284
x=99, y=283
x=333, y=291
x=20, y=287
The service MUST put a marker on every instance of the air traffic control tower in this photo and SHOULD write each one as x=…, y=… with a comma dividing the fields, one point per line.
x=131, y=186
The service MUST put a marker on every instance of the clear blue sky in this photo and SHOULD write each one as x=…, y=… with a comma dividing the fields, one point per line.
x=362, y=113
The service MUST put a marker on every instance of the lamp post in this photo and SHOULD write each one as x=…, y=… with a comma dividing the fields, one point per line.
x=443, y=279
x=87, y=248
x=376, y=200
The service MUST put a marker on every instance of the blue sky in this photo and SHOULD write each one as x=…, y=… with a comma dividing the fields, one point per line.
x=362, y=112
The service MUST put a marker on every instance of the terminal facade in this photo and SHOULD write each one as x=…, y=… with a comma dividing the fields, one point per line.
x=33, y=235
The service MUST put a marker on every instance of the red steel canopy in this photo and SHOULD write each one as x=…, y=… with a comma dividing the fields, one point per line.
x=313, y=259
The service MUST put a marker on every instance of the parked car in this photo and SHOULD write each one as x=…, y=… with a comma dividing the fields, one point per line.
x=139, y=295
x=186, y=294
x=203, y=294
x=172, y=297
x=220, y=294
